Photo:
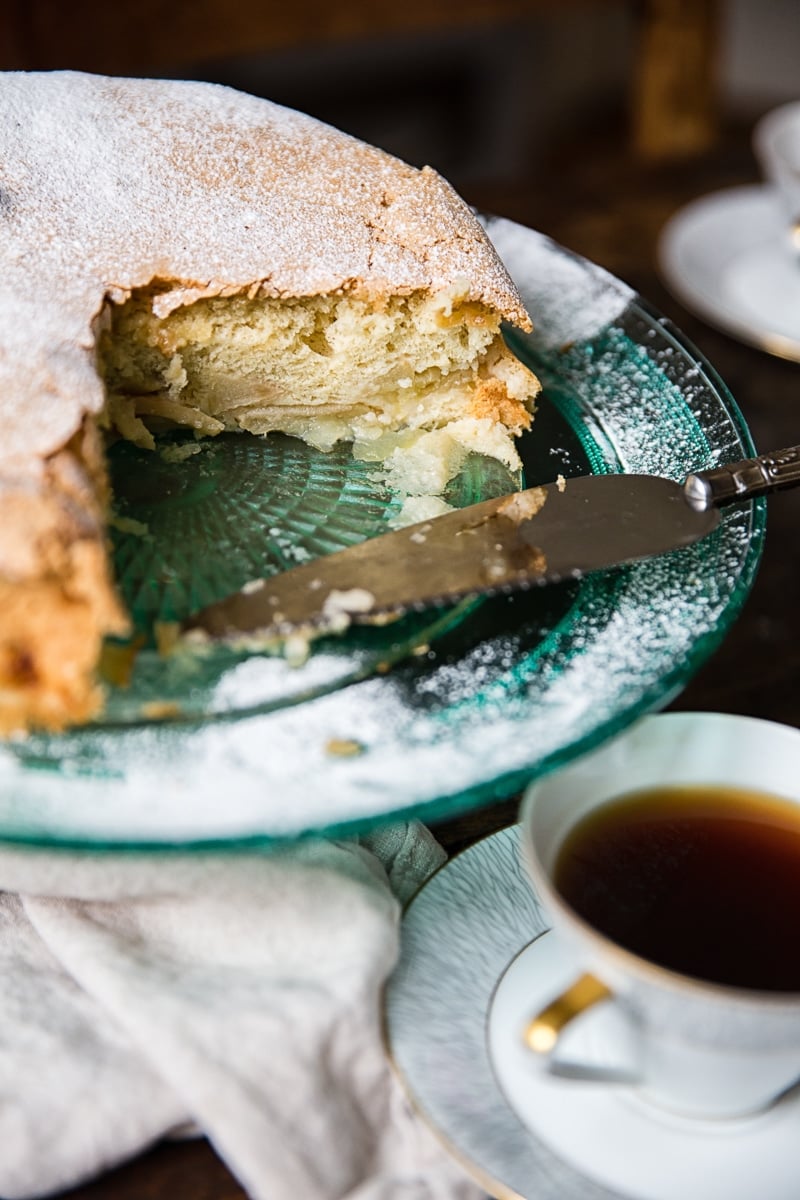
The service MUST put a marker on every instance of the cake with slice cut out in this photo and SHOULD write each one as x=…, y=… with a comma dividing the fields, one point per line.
x=176, y=253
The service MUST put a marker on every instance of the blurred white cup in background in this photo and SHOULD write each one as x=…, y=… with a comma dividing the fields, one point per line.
x=776, y=141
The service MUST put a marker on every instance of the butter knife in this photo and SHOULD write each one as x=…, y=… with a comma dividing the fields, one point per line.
x=545, y=534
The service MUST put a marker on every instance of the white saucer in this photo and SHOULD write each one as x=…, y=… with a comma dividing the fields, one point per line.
x=476, y=960
x=727, y=257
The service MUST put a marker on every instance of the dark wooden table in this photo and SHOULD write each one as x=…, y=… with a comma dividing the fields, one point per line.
x=599, y=200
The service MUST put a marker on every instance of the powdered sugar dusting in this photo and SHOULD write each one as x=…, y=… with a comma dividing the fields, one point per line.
x=108, y=184
x=549, y=283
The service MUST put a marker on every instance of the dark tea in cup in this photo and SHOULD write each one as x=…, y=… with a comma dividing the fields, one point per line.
x=668, y=862
x=704, y=881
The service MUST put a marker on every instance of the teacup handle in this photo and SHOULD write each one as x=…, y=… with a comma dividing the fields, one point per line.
x=543, y=1031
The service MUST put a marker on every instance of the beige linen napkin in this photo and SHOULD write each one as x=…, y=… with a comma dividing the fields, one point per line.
x=239, y=993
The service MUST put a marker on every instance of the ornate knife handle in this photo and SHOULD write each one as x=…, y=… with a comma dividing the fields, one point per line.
x=744, y=480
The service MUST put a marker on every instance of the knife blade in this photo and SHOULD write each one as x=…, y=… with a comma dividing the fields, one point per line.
x=544, y=534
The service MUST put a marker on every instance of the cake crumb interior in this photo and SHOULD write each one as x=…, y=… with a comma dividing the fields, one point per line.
x=414, y=382
x=323, y=368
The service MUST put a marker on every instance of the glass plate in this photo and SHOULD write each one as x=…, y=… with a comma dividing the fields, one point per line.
x=198, y=520
x=445, y=712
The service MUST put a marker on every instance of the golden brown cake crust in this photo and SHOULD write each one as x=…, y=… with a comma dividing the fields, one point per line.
x=57, y=602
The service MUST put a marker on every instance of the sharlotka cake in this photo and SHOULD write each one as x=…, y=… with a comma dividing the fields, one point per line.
x=176, y=253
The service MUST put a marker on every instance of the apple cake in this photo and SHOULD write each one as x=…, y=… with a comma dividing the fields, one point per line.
x=182, y=253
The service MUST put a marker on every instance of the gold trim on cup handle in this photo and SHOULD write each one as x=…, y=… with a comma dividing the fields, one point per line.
x=544, y=1030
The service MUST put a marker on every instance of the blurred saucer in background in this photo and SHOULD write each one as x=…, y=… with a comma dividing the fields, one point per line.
x=727, y=258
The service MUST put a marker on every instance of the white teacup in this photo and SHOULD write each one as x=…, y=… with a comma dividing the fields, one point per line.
x=700, y=1049
x=776, y=141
